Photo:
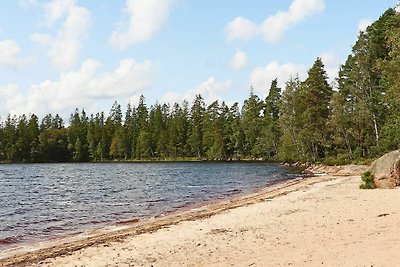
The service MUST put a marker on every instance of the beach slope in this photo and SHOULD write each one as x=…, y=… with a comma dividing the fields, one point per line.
x=323, y=220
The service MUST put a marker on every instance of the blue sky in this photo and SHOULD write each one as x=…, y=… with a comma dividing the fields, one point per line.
x=61, y=54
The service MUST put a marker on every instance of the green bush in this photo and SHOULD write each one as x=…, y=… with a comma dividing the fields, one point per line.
x=368, y=181
x=339, y=159
x=363, y=161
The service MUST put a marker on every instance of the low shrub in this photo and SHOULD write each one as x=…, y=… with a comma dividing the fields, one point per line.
x=368, y=181
x=336, y=160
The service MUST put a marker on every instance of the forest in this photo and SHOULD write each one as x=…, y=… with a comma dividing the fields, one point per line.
x=354, y=120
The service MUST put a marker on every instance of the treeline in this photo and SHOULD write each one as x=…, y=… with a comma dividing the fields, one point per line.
x=305, y=121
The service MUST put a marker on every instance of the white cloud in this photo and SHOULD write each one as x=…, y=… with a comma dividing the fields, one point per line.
x=363, y=24
x=68, y=41
x=209, y=90
x=261, y=77
x=27, y=3
x=145, y=18
x=274, y=27
x=56, y=9
x=134, y=100
x=10, y=97
x=332, y=65
x=81, y=88
x=10, y=55
x=41, y=38
x=241, y=28
x=239, y=61
x=9, y=50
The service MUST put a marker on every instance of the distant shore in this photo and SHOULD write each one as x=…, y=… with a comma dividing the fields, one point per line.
x=161, y=160
x=324, y=219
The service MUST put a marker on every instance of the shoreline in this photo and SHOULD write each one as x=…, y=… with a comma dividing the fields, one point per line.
x=98, y=237
x=18, y=245
x=38, y=251
x=20, y=248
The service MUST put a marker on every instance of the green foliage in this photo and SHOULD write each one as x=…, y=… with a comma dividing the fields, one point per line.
x=340, y=159
x=314, y=99
x=368, y=181
x=268, y=142
x=251, y=122
x=196, y=127
x=366, y=108
x=289, y=122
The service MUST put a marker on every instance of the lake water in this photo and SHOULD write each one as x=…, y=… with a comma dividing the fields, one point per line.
x=43, y=201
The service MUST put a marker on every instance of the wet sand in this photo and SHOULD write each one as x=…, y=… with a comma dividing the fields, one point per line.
x=319, y=221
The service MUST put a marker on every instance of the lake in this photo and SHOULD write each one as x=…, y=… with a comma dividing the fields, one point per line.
x=44, y=201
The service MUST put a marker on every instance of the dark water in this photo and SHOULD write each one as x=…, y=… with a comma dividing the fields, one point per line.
x=42, y=201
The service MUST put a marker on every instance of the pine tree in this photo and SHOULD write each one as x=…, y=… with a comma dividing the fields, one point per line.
x=314, y=101
x=237, y=138
x=196, y=127
x=77, y=135
x=33, y=132
x=390, y=68
x=251, y=122
x=227, y=121
x=268, y=142
x=117, y=147
x=128, y=132
x=213, y=139
x=157, y=127
x=143, y=148
x=290, y=122
x=10, y=135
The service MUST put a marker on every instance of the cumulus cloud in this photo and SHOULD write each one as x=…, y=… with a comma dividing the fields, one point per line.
x=9, y=51
x=275, y=26
x=10, y=97
x=239, y=61
x=241, y=28
x=65, y=45
x=145, y=18
x=10, y=55
x=210, y=90
x=363, y=24
x=261, y=77
x=332, y=65
x=79, y=88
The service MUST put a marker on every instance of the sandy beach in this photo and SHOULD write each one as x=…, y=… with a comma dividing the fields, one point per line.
x=325, y=220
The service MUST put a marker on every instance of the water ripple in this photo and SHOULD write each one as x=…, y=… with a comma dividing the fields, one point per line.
x=39, y=201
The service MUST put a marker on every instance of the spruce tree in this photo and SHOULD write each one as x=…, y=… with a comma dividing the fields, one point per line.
x=314, y=100
x=269, y=139
x=196, y=126
x=251, y=122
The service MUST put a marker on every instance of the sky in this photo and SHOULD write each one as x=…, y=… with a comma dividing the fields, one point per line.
x=59, y=55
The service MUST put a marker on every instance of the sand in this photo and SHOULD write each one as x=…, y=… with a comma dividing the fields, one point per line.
x=319, y=221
